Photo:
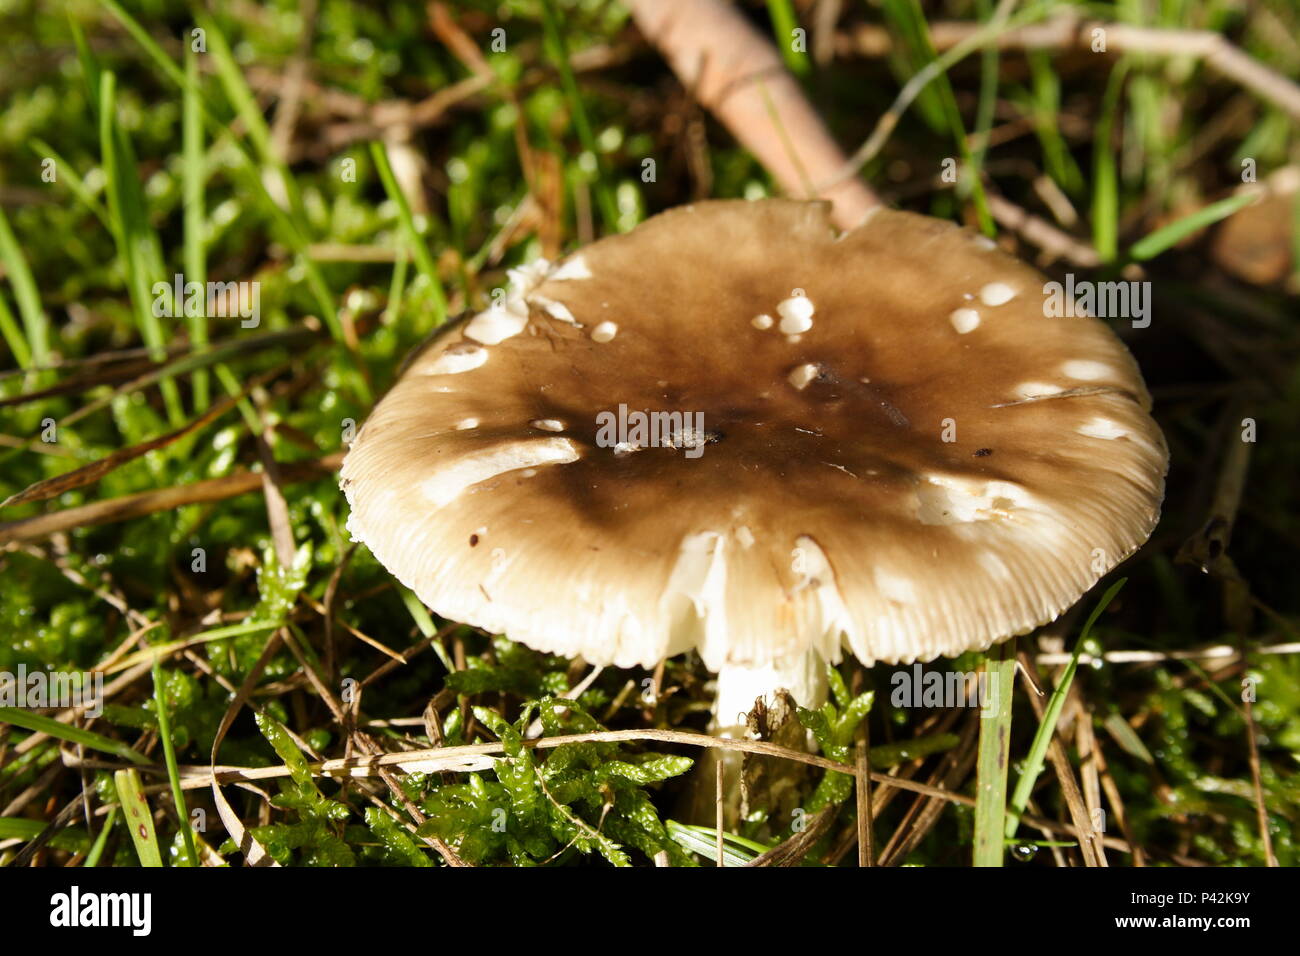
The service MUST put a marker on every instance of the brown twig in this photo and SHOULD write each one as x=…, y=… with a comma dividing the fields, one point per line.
x=738, y=75
x=1072, y=32
x=127, y=507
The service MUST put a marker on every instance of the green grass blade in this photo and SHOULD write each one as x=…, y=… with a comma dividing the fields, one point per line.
x=1033, y=765
x=89, y=65
x=909, y=19
x=250, y=114
x=137, y=245
x=101, y=841
x=20, y=828
x=994, y=755
x=559, y=52
x=294, y=231
x=13, y=336
x=294, y=221
x=139, y=817
x=68, y=176
x=216, y=634
x=990, y=59
x=420, y=614
x=142, y=37
x=1105, y=175
x=396, y=288
x=36, y=325
x=1046, y=99
x=784, y=23
x=736, y=850
x=38, y=723
x=419, y=250
x=1157, y=242
x=169, y=754
x=192, y=175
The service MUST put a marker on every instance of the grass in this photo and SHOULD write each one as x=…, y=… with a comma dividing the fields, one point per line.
x=167, y=160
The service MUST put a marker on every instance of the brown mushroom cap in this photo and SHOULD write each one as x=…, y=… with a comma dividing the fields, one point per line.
x=826, y=509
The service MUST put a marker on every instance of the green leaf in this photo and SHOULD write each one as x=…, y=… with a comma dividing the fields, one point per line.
x=87, y=738
x=173, y=771
x=1033, y=765
x=138, y=816
x=395, y=838
x=1174, y=233
x=658, y=767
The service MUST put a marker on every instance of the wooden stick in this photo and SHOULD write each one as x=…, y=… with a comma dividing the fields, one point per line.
x=161, y=499
x=738, y=75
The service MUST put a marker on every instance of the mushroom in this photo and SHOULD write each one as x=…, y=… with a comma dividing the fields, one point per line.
x=900, y=454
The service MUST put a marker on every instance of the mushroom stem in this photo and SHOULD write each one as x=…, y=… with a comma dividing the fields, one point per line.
x=739, y=689
x=740, y=686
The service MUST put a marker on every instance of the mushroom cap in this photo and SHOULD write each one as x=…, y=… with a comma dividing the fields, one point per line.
x=928, y=465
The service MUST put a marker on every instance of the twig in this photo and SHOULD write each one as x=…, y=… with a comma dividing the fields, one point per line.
x=1217, y=652
x=793, y=850
x=1054, y=243
x=127, y=507
x=738, y=75
x=862, y=793
x=719, y=802
x=1261, y=809
x=1070, y=31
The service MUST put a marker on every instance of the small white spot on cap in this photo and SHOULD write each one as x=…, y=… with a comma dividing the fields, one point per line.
x=574, y=268
x=1036, y=390
x=496, y=325
x=625, y=448
x=796, y=314
x=604, y=332
x=527, y=277
x=1087, y=371
x=461, y=357
x=556, y=310
x=965, y=320
x=984, y=242
x=1102, y=428
x=548, y=424
x=762, y=322
x=802, y=375
x=465, y=424
x=745, y=536
x=997, y=293
x=528, y=473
